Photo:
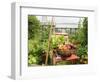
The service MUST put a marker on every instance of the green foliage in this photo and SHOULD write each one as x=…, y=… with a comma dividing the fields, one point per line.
x=37, y=40
x=34, y=52
x=31, y=59
x=34, y=42
x=33, y=27
x=73, y=38
x=81, y=37
x=81, y=50
x=56, y=40
x=45, y=36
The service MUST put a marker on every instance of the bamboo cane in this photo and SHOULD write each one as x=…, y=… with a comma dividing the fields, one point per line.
x=49, y=39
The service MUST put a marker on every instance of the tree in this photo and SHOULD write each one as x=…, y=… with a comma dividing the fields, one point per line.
x=83, y=33
x=33, y=26
x=85, y=25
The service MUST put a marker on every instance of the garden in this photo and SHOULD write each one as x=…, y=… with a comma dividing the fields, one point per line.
x=46, y=47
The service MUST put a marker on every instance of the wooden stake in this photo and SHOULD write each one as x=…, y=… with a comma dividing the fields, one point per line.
x=49, y=39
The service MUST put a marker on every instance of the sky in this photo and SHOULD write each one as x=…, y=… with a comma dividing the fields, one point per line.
x=61, y=21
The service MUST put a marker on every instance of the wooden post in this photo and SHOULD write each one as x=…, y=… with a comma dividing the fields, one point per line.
x=49, y=39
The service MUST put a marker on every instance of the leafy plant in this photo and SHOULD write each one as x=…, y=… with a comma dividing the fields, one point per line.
x=81, y=50
x=31, y=59
x=37, y=40
x=33, y=27
x=81, y=37
x=57, y=40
